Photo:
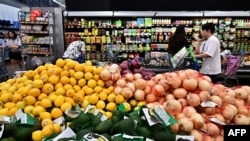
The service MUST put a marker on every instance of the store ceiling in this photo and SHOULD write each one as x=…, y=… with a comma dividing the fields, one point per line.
x=34, y=3
x=14, y=3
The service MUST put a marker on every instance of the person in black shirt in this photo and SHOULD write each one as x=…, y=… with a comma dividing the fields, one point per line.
x=177, y=40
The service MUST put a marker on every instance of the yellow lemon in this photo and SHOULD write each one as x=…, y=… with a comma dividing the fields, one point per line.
x=37, y=76
x=53, y=79
x=60, y=91
x=52, y=97
x=103, y=96
x=111, y=88
x=47, y=88
x=46, y=121
x=38, y=83
x=44, y=115
x=67, y=86
x=81, y=82
x=56, y=113
x=70, y=92
x=86, y=97
x=6, y=97
x=64, y=80
x=96, y=77
x=133, y=102
x=42, y=96
x=59, y=100
x=11, y=81
x=98, y=70
x=44, y=78
x=78, y=75
x=141, y=103
x=28, y=109
x=127, y=106
x=88, y=75
x=64, y=73
x=77, y=88
x=78, y=97
x=71, y=64
x=111, y=106
x=101, y=83
x=20, y=85
x=37, y=135
x=58, y=85
x=119, y=99
x=108, y=114
x=12, y=89
x=111, y=97
x=37, y=110
x=9, y=105
x=48, y=130
x=30, y=73
x=34, y=92
x=13, y=111
x=88, y=69
x=40, y=69
x=60, y=62
x=88, y=63
x=93, y=98
x=98, y=89
x=91, y=83
x=100, y=104
x=57, y=128
x=89, y=91
x=46, y=103
x=16, y=97
x=4, y=111
x=20, y=104
x=79, y=67
x=38, y=103
x=72, y=72
x=24, y=90
x=29, y=100
x=70, y=100
x=66, y=106
x=85, y=103
x=72, y=81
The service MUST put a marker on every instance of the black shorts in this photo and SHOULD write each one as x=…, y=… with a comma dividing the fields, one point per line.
x=15, y=55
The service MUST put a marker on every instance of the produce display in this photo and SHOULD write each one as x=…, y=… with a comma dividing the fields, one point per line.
x=78, y=101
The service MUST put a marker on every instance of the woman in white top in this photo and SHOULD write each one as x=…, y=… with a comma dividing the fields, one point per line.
x=209, y=51
x=13, y=42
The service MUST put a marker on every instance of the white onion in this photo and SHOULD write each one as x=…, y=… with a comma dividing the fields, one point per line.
x=240, y=119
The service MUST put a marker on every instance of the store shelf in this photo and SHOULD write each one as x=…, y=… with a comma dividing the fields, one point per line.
x=36, y=23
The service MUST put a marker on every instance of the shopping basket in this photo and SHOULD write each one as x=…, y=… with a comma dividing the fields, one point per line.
x=3, y=70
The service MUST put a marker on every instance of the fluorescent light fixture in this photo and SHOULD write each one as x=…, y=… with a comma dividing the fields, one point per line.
x=134, y=13
x=60, y=2
x=226, y=13
x=89, y=13
x=179, y=14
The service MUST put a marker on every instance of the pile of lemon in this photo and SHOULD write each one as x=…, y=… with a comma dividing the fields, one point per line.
x=59, y=87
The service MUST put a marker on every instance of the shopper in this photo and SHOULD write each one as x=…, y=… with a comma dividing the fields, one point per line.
x=13, y=42
x=75, y=50
x=209, y=51
x=178, y=40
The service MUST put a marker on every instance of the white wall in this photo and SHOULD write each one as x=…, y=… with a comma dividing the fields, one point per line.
x=8, y=12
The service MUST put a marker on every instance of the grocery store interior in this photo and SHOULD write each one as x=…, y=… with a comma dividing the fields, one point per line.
x=126, y=65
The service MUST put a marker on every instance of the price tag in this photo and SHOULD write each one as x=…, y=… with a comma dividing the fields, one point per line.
x=183, y=137
x=208, y=104
x=113, y=68
x=19, y=114
x=67, y=133
x=215, y=120
x=1, y=130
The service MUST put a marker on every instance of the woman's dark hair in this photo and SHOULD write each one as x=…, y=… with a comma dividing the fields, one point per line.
x=15, y=35
x=177, y=40
x=208, y=26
